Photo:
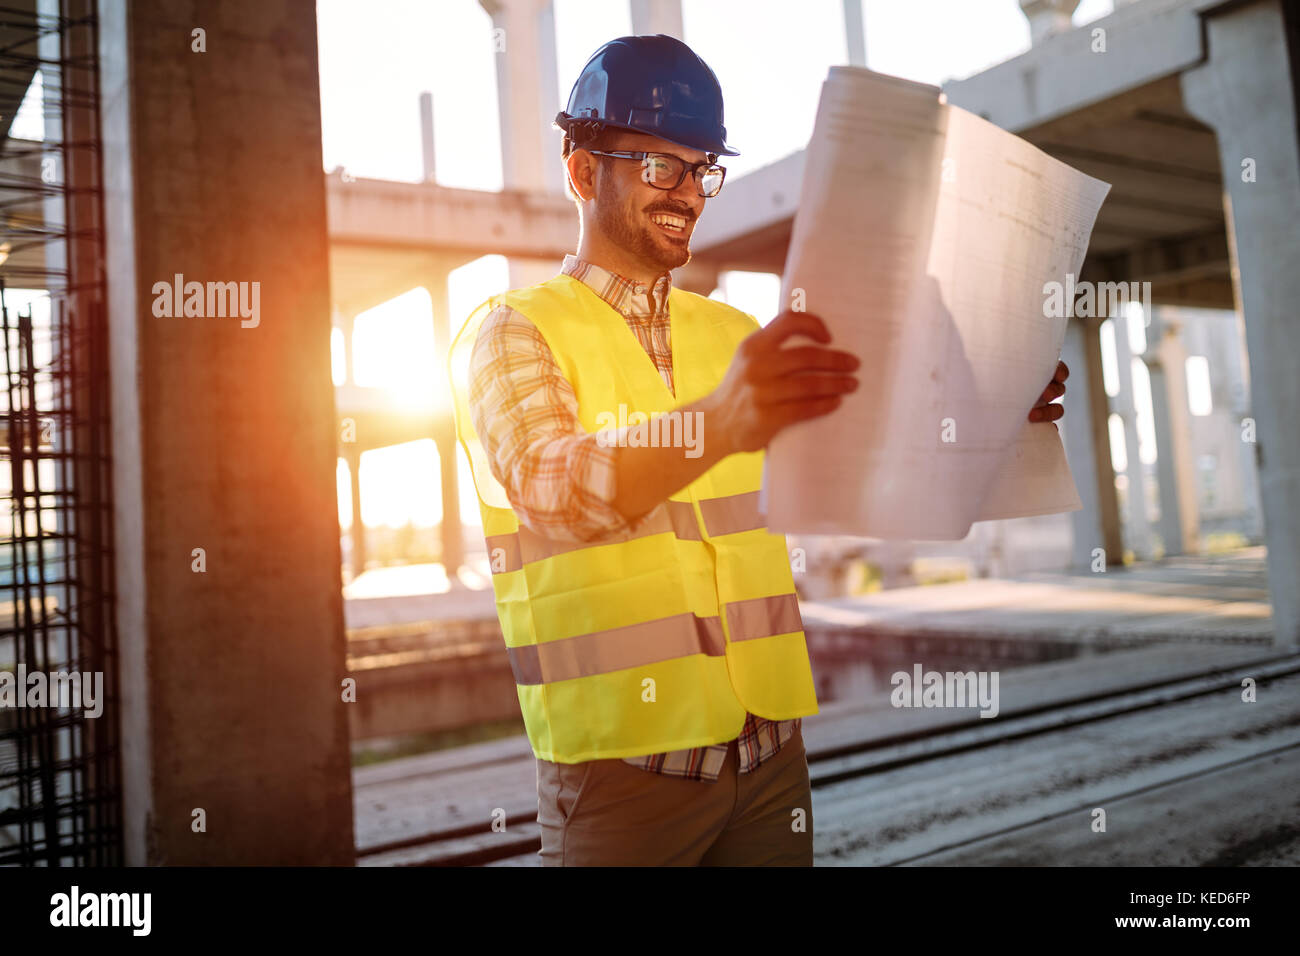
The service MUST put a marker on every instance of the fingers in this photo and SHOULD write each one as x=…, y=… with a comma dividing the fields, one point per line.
x=1062, y=372
x=801, y=388
x=808, y=358
x=1046, y=413
x=794, y=323
x=1054, y=390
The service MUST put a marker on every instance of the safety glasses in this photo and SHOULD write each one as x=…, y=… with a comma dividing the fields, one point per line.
x=665, y=171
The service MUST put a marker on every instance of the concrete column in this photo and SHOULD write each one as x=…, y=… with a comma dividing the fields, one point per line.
x=528, y=99
x=452, y=534
x=427, y=154
x=528, y=93
x=1087, y=448
x=1175, y=465
x=357, y=533
x=657, y=16
x=224, y=439
x=854, y=39
x=347, y=325
x=1253, y=524
x=1245, y=90
x=1138, y=529
x=1047, y=17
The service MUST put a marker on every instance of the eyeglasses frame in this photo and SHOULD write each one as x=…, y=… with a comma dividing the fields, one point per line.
x=690, y=168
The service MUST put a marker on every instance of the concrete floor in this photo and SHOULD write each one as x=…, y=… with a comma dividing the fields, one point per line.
x=1144, y=720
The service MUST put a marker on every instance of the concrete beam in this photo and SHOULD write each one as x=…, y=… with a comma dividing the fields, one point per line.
x=1061, y=74
x=471, y=222
x=760, y=201
x=1209, y=293
x=1176, y=260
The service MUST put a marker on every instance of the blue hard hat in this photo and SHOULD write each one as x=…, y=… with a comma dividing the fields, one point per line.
x=650, y=84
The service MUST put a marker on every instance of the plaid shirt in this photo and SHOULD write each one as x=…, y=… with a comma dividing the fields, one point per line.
x=560, y=481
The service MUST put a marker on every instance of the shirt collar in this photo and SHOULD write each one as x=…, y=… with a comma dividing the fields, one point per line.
x=628, y=297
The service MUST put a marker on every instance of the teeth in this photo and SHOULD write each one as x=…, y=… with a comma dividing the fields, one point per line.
x=672, y=222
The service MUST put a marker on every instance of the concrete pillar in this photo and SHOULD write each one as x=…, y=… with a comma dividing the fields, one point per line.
x=224, y=439
x=1087, y=448
x=854, y=39
x=528, y=93
x=347, y=324
x=1239, y=368
x=427, y=155
x=657, y=16
x=356, y=533
x=1245, y=90
x=528, y=99
x=1175, y=465
x=1047, y=17
x=1138, y=529
x=444, y=430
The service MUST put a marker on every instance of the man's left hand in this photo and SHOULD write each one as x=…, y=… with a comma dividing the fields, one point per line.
x=1045, y=410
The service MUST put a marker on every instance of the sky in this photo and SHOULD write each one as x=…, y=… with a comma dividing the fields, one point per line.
x=770, y=56
x=377, y=56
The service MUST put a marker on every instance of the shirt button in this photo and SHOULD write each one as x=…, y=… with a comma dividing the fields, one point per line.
x=640, y=290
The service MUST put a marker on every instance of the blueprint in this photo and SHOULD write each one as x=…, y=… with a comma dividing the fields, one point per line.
x=925, y=238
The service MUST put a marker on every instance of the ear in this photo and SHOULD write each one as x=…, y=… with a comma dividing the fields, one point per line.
x=581, y=167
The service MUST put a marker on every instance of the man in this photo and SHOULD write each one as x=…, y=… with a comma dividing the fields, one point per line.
x=650, y=616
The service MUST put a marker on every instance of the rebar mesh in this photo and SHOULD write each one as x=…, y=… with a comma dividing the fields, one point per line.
x=59, y=760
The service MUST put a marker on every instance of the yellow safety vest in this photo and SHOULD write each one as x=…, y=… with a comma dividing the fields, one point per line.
x=662, y=638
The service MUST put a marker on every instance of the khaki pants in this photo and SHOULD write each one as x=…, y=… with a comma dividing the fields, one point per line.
x=610, y=813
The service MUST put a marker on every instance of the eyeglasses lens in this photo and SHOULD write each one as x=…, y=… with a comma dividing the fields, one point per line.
x=710, y=180
x=665, y=172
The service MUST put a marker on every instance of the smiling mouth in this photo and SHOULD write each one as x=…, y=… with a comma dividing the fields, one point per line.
x=670, y=224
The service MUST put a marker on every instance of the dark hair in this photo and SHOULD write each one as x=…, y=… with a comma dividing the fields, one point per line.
x=587, y=136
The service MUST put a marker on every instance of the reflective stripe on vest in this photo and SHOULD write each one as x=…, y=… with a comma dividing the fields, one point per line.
x=652, y=641
x=729, y=515
x=510, y=552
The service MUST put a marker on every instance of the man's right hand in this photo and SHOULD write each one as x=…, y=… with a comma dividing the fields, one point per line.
x=768, y=388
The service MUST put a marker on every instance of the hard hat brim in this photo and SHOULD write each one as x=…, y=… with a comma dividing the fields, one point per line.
x=563, y=120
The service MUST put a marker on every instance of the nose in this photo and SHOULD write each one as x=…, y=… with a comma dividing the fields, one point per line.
x=688, y=195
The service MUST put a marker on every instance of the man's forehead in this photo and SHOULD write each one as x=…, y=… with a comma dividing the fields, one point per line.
x=630, y=140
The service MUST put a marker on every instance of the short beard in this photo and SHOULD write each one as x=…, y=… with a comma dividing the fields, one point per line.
x=636, y=239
